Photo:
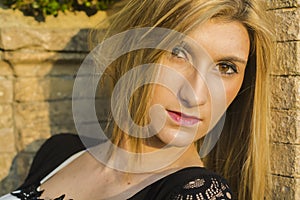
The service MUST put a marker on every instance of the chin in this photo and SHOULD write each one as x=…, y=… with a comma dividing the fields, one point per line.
x=176, y=138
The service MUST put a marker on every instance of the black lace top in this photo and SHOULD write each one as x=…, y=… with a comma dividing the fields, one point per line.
x=193, y=183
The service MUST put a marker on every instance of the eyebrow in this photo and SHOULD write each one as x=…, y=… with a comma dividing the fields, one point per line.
x=226, y=58
x=233, y=59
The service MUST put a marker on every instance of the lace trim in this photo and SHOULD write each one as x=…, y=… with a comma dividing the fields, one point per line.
x=32, y=193
x=194, y=184
x=212, y=190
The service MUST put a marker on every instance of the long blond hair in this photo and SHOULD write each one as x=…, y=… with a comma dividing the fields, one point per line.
x=242, y=153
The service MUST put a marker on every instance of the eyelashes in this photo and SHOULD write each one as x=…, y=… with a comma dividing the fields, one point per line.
x=182, y=52
x=226, y=68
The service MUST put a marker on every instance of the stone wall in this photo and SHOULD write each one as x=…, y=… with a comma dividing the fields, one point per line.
x=38, y=63
x=285, y=115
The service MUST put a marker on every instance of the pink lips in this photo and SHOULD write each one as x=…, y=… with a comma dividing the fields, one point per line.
x=182, y=119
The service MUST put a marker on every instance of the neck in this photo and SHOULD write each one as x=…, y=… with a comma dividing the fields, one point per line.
x=156, y=154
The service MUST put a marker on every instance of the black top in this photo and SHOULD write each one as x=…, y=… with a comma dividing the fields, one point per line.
x=191, y=183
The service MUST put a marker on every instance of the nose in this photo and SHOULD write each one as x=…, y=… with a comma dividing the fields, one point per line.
x=194, y=91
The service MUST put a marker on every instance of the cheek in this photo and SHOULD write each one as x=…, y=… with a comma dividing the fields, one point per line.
x=164, y=96
x=232, y=90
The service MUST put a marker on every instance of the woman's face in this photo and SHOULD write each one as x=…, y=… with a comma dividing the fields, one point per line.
x=200, y=77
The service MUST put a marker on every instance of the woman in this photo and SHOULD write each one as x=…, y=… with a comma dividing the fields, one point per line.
x=212, y=64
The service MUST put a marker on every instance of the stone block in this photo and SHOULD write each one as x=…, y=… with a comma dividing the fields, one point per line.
x=36, y=56
x=59, y=68
x=41, y=89
x=7, y=142
x=60, y=113
x=32, y=125
x=84, y=113
x=39, y=69
x=33, y=134
x=31, y=113
x=287, y=24
x=285, y=92
x=285, y=126
x=31, y=89
x=73, y=39
x=64, y=21
x=297, y=195
x=6, y=90
x=6, y=160
x=6, y=116
x=60, y=88
x=5, y=69
x=85, y=86
x=48, y=88
x=39, y=130
x=40, y=119
x=275, y=4
x=288, y=62
x=284, y=188
x=63, y=128
x=297, y=159
x=285, y=159
x=63, y=68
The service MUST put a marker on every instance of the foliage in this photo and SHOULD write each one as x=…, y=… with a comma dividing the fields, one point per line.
x=41, y=8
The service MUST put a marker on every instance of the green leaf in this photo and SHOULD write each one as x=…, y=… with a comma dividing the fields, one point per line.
x=52, y=7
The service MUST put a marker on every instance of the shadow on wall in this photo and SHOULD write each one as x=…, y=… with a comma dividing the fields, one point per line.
x=18, y=169
x=43, y=98
x=44, y=61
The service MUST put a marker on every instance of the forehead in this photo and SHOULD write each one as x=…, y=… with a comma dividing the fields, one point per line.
x=222, y=38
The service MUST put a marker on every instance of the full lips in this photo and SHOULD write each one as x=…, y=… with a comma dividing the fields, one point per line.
x=182, y=119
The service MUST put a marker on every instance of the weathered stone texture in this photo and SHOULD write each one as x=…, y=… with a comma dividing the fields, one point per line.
x=285, y=101
x=285, y=188
x=13, y=38
x=34, y=56
x=285, y=92
x=41, y=89
x=285, y=126
x=28, y=114
x=287, y=24
x=7, y=142
x=5, y=163
x=47, y=89
x=67, y=20
x=285, y=160
x=6, y=116
x=42, y=69
x=275, y=4
x=288, y=63
x=297, y=193
x=6, y=88
x=5, y=69
x=37, y=120
x=38, y=65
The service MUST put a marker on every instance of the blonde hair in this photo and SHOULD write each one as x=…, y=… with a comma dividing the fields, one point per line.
x=242, y=153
